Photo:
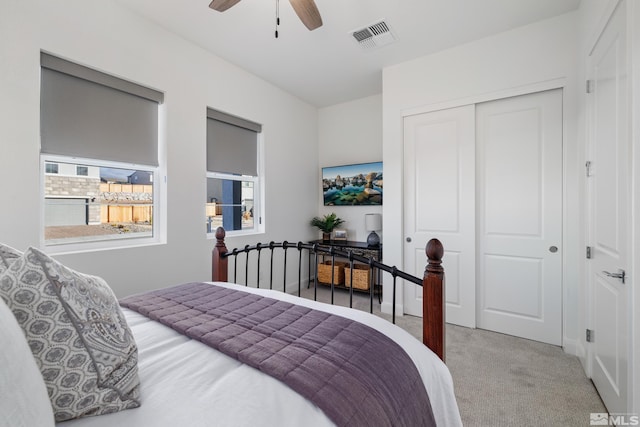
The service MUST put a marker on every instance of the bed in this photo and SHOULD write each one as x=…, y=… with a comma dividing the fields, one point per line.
x=184, y=381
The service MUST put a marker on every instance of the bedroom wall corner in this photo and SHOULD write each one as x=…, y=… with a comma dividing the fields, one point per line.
x=350, y=132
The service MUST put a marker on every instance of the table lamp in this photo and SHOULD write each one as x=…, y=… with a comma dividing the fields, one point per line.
x=373, y=223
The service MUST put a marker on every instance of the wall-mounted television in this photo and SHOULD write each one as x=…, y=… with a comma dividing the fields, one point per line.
x=352, y=185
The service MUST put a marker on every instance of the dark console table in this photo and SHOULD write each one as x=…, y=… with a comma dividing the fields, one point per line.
x=357, y=248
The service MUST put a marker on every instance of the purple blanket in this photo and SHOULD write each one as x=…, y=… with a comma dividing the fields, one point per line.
x=355, y=374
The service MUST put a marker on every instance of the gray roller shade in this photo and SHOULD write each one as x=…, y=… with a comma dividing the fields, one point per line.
x=86, y=113
x=232, y=144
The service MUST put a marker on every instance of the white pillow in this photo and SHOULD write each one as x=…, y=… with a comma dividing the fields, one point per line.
x=77, y=334
x=23, y=395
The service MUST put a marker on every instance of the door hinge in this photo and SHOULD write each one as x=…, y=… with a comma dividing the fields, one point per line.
x=588, y=168
x=589, y=86
x=588, y=252
x=590, y=335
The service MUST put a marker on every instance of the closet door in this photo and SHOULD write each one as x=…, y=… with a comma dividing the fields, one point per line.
x=519, y=195
x=439, y=164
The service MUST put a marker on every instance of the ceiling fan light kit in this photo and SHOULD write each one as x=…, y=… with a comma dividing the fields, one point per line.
x=306, y=10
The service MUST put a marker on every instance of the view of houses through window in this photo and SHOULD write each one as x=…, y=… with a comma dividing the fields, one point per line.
x=89, y=202
x=230, y=203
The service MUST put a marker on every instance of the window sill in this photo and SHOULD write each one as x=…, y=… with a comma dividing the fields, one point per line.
x=236, y=233
x=101, y=245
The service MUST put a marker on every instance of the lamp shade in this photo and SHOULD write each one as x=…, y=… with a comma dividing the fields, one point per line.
x=373, y=222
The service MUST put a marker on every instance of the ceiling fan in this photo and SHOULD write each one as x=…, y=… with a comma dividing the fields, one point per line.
x=306, y=10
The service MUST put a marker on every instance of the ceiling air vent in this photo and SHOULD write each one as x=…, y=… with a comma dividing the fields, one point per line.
x=374, y=36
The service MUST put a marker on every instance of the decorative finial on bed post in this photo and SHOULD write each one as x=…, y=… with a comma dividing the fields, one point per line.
x=434, y=299
x=435, y=252
x=219, y=267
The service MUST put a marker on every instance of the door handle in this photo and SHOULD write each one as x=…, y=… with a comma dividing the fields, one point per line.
x=619, y=275
x=408, y=239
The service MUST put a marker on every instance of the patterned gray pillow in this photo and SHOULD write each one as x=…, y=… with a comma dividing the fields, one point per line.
x=7, y=256
x=77, y=334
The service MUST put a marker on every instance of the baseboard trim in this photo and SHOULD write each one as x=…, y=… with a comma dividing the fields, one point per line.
x=581, y=353
x=387, y=308
x=570, y=346
x=576, y=348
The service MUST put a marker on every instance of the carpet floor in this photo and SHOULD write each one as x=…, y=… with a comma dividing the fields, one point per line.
x=501, y=380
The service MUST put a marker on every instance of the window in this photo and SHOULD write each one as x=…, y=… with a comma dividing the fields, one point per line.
x=100, y=205
x=99, y=132
x=233, y=181
x=51, y=168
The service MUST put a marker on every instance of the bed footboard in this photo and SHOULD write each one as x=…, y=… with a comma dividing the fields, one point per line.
x=433, y=299
x=433, y=316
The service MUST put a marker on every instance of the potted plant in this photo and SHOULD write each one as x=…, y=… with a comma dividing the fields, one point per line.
x=326, y=224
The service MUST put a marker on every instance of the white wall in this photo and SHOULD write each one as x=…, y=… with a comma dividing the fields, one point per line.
x=103, y=35
x=534, y=57
x=351, y=133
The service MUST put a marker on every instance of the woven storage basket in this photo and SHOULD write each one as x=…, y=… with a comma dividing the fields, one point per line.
x=324, y=272
x=360, y=276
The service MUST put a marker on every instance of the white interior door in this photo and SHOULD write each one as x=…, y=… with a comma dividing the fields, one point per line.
x=439, y=187
x=608, y=186
x=519, y=196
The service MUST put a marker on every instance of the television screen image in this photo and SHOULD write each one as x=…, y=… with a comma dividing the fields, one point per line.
x=350, y=185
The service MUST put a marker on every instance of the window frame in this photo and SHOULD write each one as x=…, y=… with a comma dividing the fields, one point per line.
x=259, y=191
x=149, y=139
x=126, y=241
x=259, y=185
x=257, y=203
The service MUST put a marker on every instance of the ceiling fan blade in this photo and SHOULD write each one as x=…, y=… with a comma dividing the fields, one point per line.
x=308, y=13
x=222, y=5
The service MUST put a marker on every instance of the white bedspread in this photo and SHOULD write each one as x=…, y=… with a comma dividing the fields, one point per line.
x=187, y=384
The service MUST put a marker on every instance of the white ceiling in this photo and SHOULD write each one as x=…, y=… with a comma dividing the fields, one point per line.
x=327, y=66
